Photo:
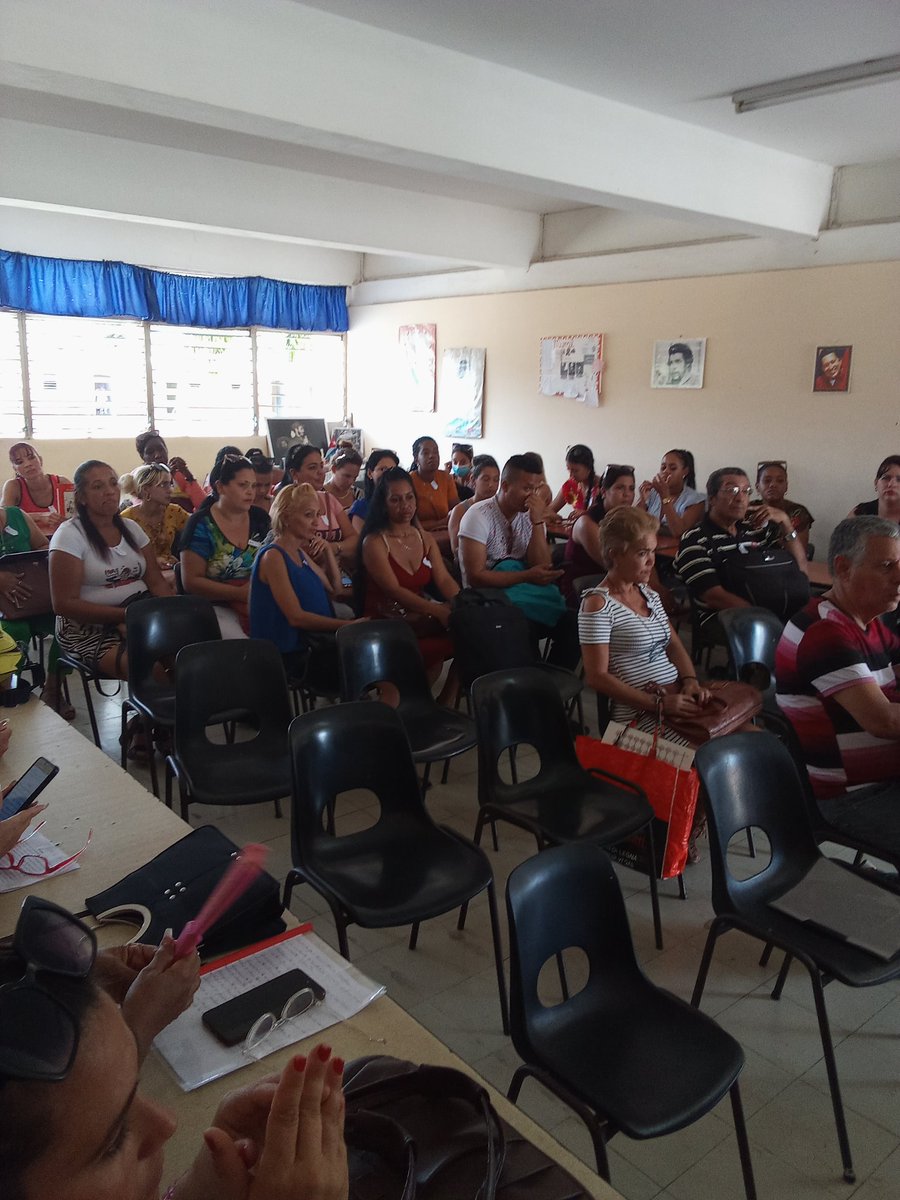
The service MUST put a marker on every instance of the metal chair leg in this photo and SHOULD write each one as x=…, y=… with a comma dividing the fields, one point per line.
x=740, y=1130
x=654, y=888
x=498, y=957
x=831, y=1069
x=782, y=977
x=413, y=935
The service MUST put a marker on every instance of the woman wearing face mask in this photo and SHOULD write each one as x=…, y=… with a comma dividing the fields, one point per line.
x=435, y=490
x=377, y=463
x=460, y=468
x=76, y=1126
x=584, y=551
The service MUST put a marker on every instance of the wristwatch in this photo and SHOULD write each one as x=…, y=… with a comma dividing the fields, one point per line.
x=790, y=537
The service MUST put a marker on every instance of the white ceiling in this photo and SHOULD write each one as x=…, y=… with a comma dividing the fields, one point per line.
x=683, y=58
x=371, y=138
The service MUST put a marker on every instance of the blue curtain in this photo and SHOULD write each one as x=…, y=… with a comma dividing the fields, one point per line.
x=71, y=288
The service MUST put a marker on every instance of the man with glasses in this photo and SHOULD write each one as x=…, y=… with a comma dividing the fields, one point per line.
x=730, y=561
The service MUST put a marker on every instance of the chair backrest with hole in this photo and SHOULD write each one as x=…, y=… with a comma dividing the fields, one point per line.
x=158, y=627
x=750, y=780
x=752, y=636
x=376, y=651
x=567, y=896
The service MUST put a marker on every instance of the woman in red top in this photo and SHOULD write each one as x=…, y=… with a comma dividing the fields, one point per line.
x=399, y=560
x=40, y=495
x=582, y=488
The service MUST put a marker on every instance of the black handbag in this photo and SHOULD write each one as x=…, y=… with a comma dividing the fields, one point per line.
x=170, y=890
x=767, y=578
x=462, y=1150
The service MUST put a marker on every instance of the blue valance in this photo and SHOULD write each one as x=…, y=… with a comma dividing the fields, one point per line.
x=65, y=287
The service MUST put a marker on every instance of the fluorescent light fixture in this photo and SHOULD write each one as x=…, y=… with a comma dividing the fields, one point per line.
x=817, y=83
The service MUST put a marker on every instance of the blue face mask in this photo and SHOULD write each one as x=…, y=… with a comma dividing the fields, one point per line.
x=460, y=471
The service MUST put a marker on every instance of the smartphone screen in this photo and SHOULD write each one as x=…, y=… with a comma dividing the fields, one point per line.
x=26, y=790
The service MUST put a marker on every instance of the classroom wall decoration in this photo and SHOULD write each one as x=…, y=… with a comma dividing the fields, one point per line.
x=285, y=432
x=571, y=366
x=832, y=371
x=417, y=353
x=462, y=391
x=678, y=363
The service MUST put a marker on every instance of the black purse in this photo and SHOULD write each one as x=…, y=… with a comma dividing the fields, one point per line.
x=170, y=890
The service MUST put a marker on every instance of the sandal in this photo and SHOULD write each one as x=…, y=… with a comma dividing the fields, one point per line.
x=135, y=739
x=58, y=703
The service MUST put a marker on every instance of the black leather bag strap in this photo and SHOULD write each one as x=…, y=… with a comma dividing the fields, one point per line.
x=382, y=1158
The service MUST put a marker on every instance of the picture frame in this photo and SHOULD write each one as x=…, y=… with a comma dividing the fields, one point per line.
x=832, y=369
x=678, y=363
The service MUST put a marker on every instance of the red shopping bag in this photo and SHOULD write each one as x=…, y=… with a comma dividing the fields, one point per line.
x=672, y=793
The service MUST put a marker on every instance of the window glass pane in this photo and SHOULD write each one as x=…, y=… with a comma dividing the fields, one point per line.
x=12, y=411
x=87, y=377
x=202, y=381
x=300, y=375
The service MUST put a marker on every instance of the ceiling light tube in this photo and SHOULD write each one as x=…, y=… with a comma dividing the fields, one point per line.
x=817, y=83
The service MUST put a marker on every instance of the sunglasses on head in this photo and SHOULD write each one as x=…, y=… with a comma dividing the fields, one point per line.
x=38, y=1031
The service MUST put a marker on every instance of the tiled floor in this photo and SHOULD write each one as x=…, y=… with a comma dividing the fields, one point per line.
x=448, y=984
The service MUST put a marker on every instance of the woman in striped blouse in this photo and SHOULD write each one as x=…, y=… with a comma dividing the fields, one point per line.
x=627, y=640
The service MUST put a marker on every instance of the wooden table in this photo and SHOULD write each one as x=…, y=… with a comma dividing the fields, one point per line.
x=130, y=827
x=818, y=574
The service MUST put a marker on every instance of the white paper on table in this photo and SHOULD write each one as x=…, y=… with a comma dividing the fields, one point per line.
x=197, y=1057
x=35, y=844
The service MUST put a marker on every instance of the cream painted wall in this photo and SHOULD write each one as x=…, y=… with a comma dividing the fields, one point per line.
x=757, y=401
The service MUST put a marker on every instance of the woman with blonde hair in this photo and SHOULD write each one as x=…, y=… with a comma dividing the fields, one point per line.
x=627, y=640
x=151, y=486
x=293, y=580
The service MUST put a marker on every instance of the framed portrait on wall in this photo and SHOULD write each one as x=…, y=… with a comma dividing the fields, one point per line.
x=678, y=363
x=462, y=391
x=285, y=432
x=832, y=373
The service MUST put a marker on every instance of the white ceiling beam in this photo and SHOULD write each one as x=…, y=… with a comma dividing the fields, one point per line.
x=89, y=173
x=276, y=66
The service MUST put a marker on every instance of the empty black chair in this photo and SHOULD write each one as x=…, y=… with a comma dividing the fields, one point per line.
x=490, y=634
x=624, y=1054
x=388, y=651
x=563, y=802
x=214, y=681
x=402, y=870
x=155, y=630
x=750, y=780
x=752, y=636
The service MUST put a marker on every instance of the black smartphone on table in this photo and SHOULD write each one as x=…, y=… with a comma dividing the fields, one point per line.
x=232, y=1021
x=26, y=790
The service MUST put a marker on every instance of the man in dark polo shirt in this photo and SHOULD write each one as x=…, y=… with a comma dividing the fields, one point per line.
x=730, y=561
x=837, y=670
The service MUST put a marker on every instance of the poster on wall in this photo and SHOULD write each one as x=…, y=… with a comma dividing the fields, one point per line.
x=417, y=351
x=285, y=432
x=678, y=364
x=832, y=373
x=571, y=366
x=462, y=390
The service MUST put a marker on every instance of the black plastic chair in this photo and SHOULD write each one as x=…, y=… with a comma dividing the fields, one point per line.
x=511, y=647
x=752, y=636
x=214, y=681
x=388, y=651
x=563, y=802
x=402, y=870
x=87, y=676
x=624, y=1054
x=750, y=780
x=155, y=630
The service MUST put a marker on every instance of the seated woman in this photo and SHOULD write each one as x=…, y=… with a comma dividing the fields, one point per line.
x=19, y=533
x=460, y=468
x=291, y=589
x=672, y=497
x=345, y=468
x=220, y=542
x=151, y=486
x=304, y=464
x=582, y=489
x=485, y=478
x=377, y=463
x=33, y=491
x=584, y=550
x=76, y=1079
x=398, y=561
x=772, y=485
x=887, y=493
x=264, y=469
x=187, y=491
x=99, y=564
x=434, y=489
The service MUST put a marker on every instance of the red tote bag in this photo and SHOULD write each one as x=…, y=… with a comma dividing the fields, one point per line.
x=672, y=793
